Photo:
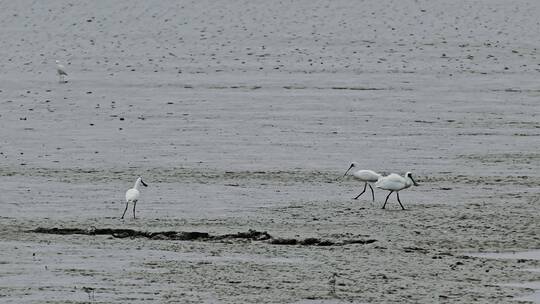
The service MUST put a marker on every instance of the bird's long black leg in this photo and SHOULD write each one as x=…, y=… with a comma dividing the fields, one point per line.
x=125, y=210
x=134, y=205
x=365, y=185
x=397, y=194
x=386, y=199
x=372, y=193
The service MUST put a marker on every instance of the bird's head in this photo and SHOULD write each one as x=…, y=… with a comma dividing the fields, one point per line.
x=353, y=165
x=142, y=182
x=409, y=175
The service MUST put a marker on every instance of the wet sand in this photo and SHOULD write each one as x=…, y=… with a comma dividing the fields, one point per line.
x=245, y=115
x=520, y=256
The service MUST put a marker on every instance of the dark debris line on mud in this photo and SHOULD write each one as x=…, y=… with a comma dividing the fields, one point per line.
x=251, y=235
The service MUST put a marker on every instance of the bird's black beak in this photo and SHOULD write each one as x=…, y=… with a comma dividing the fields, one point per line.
x=414, y=183
x=347, y=170
x=144, y=184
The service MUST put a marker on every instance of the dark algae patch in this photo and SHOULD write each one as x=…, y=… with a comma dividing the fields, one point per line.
x=250, y=235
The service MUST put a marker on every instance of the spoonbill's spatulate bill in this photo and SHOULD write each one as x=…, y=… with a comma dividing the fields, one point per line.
x=366, y=176
x=133, y=194
x=61, y=70
x=395, y=183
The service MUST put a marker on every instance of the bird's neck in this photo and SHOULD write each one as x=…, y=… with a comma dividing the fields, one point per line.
x=137, y=183
x=409, y=181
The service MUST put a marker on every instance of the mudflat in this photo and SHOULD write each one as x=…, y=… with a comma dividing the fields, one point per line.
x=242, y=117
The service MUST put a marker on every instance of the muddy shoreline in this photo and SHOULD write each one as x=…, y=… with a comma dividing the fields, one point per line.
x=245, y=115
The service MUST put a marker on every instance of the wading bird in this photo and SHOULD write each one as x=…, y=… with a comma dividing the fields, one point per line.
x=366, y=176
x=133, y=194
x=61, y=70
x=395, y=183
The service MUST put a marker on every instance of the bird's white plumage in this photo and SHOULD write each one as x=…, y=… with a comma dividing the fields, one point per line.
x=60, y=68
x=61, y=71
x=393, y=182
x=366, y=176
x=132, y=195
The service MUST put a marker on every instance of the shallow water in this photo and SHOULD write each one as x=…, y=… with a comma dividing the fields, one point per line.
x=529, y=255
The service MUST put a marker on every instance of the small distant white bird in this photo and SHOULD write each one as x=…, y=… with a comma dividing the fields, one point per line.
x=133, y=194
x=395, y=183
x=366, y=176
x=61, y=70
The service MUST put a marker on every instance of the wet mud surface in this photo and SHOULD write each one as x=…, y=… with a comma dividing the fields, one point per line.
x=242, y=116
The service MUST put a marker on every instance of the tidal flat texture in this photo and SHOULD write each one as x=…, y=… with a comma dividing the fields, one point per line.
x=242, y=117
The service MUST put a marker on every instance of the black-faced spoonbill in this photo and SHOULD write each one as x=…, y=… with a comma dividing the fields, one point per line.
x=133, y=194
x=61, y=70
x=366, y=176
x=395, y=183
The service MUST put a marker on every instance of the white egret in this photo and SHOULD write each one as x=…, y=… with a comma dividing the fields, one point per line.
x=133, y=194
x=395, y=183
x=61, y=70
x=366, y=176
